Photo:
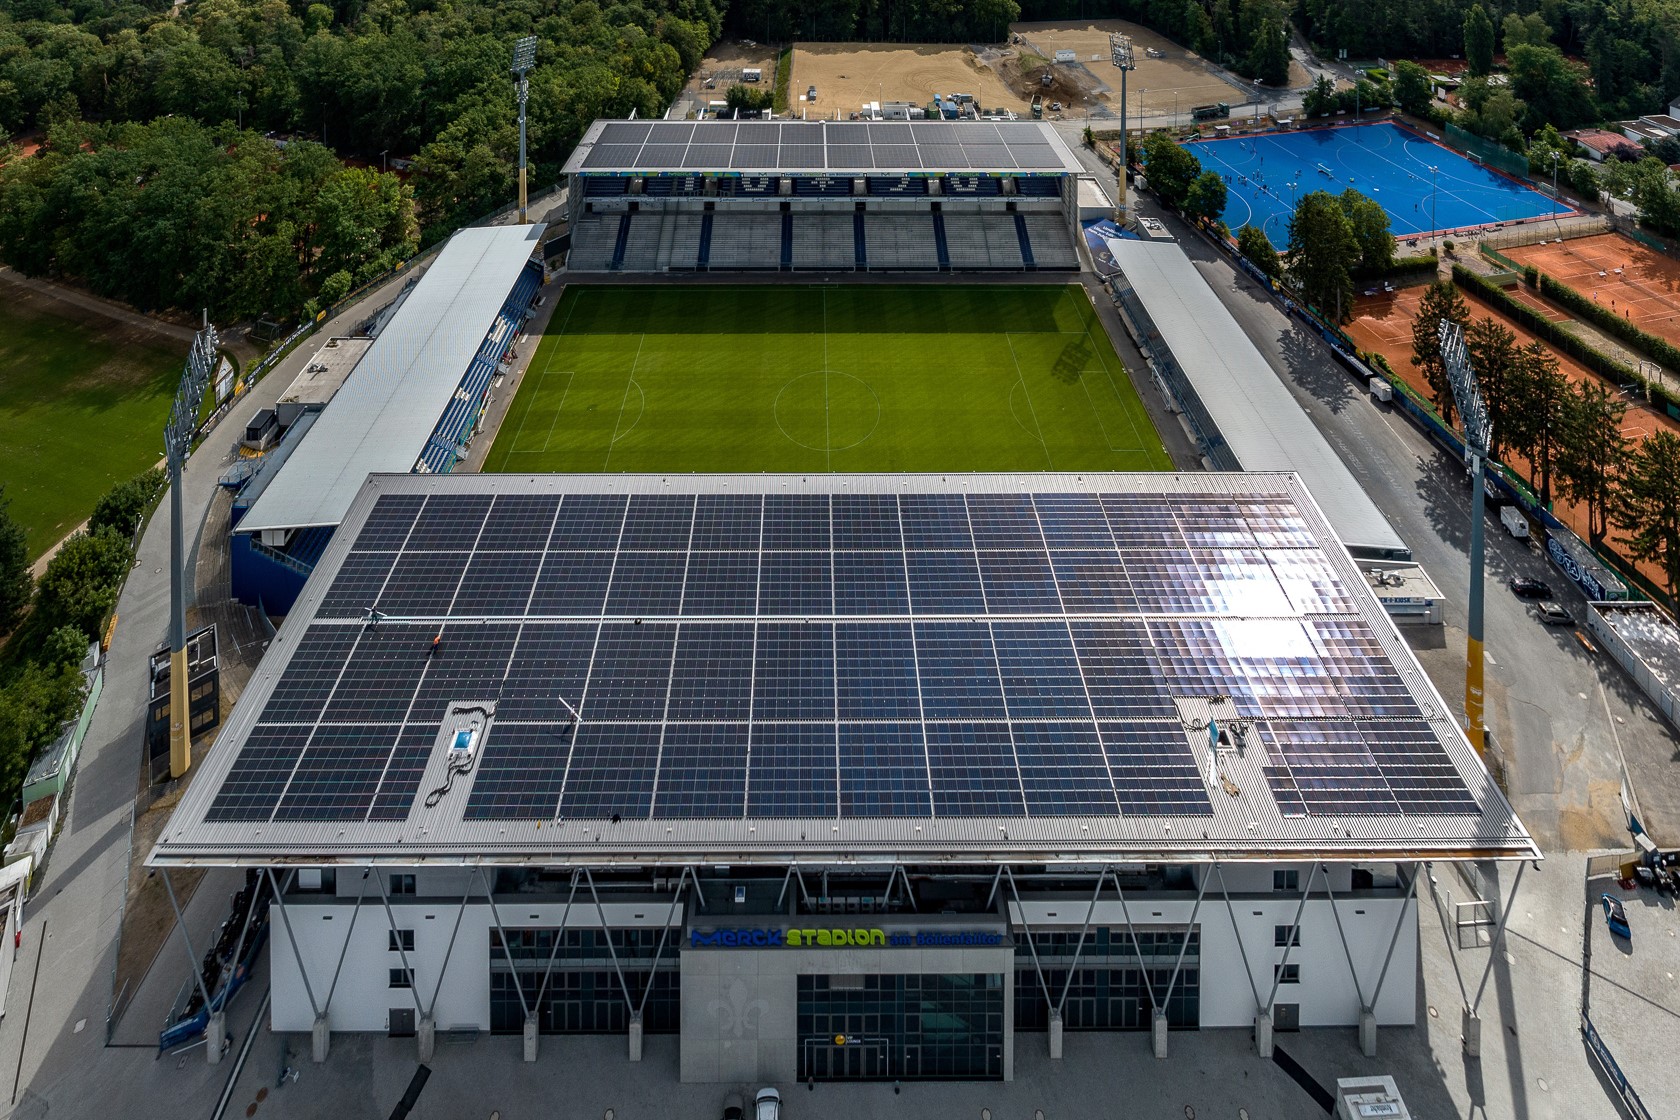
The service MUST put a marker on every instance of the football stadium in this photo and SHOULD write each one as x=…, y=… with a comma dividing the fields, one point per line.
x=832, y=672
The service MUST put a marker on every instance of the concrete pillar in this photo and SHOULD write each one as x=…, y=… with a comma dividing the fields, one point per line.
x=1263, y=1035
x=1055, y=1036
x=1158, y=1033
x=425, y=1037
x=1368, y=1033
x=214, y=1034
x=635, y=1038
x=320, y=1040
x=530, y=1038
x=1472, y=1034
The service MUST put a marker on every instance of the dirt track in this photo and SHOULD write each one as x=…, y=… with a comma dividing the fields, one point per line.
x=847, y=75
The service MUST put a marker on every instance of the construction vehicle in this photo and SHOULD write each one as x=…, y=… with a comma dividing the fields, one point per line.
x=1210, y=112
x=1037, y=107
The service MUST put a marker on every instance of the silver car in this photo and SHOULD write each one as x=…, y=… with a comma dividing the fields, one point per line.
x=767, y=1105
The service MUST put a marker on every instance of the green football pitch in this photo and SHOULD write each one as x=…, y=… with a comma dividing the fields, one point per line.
x=82, y=407
x=802, y=378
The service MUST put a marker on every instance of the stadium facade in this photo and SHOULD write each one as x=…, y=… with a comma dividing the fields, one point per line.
x=826, y=196
x=840, y=777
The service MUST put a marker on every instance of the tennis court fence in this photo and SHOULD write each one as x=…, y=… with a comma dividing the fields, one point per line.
x=1532, y=233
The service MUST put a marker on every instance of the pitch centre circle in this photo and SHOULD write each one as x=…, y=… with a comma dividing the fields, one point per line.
x=827, y=410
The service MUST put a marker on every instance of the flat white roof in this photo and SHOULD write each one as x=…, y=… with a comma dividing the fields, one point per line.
x=379, y=422
x=1261, y=423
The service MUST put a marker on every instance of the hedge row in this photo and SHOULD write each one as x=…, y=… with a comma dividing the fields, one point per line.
x=1659, y=350
x=1541, y=327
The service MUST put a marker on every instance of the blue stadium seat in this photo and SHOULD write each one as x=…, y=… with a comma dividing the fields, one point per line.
x=1038, y=186
x=904, y=184
x=976, y=185
x=598, y=186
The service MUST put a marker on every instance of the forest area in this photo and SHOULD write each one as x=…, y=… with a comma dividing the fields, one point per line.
x=194, y=156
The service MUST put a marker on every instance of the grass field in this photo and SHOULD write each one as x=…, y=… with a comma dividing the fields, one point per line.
x=801, y=378
x=81, y=408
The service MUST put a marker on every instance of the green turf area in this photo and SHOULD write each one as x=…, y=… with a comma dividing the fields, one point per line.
x=80, y=410
x=804, y=378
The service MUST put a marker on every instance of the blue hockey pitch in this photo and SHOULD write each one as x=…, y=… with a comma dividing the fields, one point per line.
x=1266, y=173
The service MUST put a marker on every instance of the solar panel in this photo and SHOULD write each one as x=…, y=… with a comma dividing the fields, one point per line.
x=814, y=655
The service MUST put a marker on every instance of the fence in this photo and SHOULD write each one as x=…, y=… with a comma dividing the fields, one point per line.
x=1490, y=152
x=1608, y=638
x=1532, y=233
x=1613, y=1072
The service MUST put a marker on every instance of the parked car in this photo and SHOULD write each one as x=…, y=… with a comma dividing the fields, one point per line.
x=733, y=1107
x=1553, y=615
x=1525, y=588
x=767, y=1105
x=1614, y=917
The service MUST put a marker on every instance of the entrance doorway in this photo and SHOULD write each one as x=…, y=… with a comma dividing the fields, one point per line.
x=823, y=1059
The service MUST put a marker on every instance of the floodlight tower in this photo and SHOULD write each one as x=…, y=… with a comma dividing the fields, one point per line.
x=524, y=57
x=1478, y=434
x=1120, y=53
x=177, y=445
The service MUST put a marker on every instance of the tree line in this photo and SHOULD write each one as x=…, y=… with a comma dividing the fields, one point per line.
x=152, y=129
x=1569, y=433
x=51, y=622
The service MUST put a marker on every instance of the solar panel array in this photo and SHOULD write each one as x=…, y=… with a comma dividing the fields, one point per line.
x=927, y=655
x=820, y=146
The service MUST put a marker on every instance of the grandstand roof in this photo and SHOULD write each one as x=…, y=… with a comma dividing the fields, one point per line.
x=875, y=147
x=983, y=668
x=380, y=420
x=1259, y=420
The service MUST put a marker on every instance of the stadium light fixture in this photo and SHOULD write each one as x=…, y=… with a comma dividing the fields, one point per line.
x=524, y=57
x=202, y=361
x=1478, y=434
x=1120, y=53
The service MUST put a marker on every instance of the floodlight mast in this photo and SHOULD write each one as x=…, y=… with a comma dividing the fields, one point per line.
x=524, y=57
x=1120, y=53
x=1478, y=434
x=177, y=445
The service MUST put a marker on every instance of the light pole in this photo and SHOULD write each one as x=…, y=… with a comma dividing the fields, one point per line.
x=177, y=445
x=1478, y=434
x=1120, y=53
x=524, y=57
x=1434, y=226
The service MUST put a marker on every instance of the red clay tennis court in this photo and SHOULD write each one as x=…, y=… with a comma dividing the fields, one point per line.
x=1638, y=283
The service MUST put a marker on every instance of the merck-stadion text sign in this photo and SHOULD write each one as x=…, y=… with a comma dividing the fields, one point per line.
x=774, y=938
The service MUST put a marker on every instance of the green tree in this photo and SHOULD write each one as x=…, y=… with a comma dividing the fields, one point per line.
x=1369, y=222
x=1540, y=395
x=1206, y=197
x=1268, y=57
x=1592, y=453
x=1529, y=30
x=1492, y=349
x=1323, y=252
x=1583, y=179
x=16, y=583
x=1320, y=100
x=1647, y=506
x=1478, y=41
x=749, y=99
x=81, y=582
x=124, y=506
x=1441, y=301
x=1171, y=169
x=1254, y=245
x=1412, y=89
x=33, y=705
x=1553, y=88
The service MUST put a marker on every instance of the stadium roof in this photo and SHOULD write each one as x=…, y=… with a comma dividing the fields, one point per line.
x=380, y=420
x=842, y=667
x=1261, y=423
x=877, y=147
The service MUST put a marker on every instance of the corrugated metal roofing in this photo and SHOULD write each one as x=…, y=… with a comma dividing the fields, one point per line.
x=380, y=420
x=1244, y=818
x=1260, y=421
